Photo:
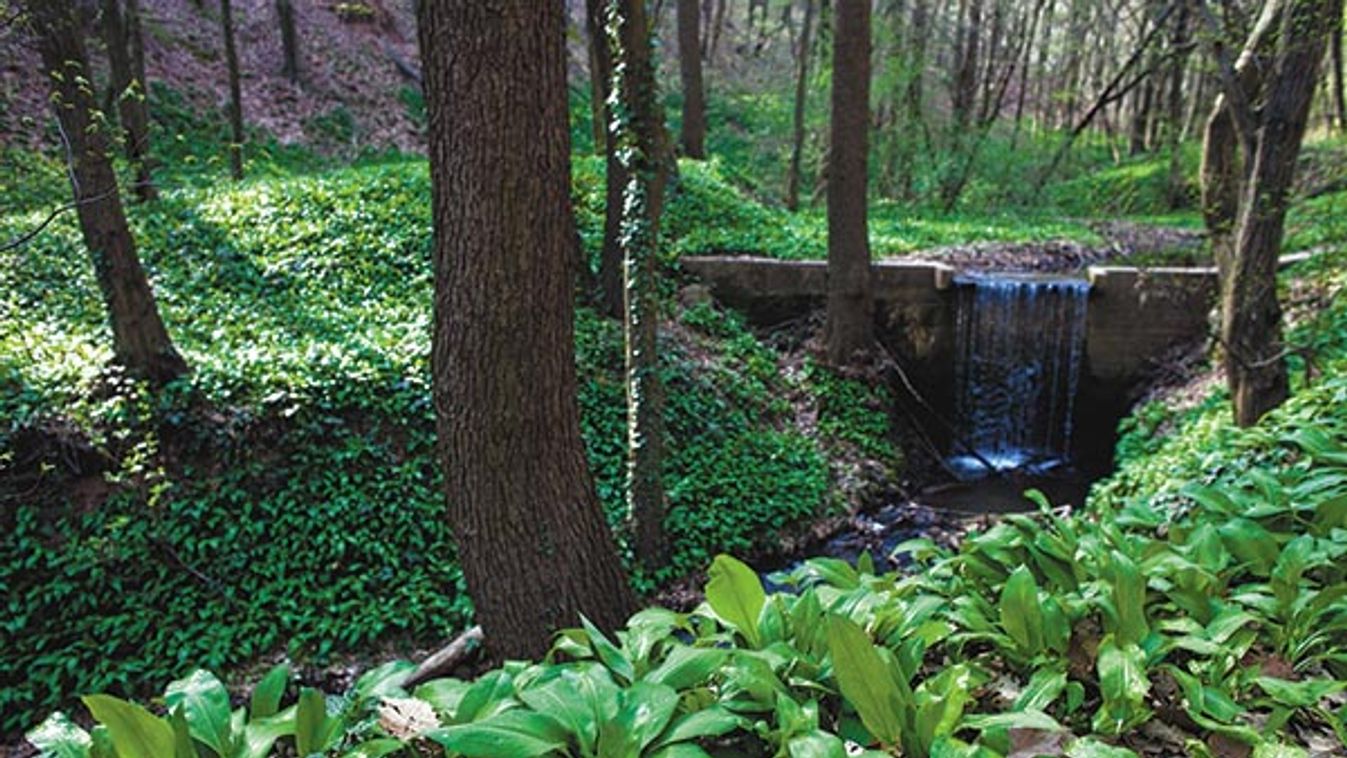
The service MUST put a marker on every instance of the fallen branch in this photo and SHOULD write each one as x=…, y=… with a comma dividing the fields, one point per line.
x=446, y=658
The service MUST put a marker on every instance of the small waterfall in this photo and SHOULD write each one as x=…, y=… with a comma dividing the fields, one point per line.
x=1020, y=343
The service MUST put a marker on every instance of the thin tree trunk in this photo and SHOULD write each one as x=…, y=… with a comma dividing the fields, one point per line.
x=690, y=71
x=533, y=543
x=850, y=318
x=140, y=342
x=637, y=134
x=615, y=176
x=1335, y=82
x=801, y=91
x=285, y=13
x=598, y=74
x=721, y=7
x=1178, y=184
x=1251, y=316
x=235, y=94
x=914, y=125
x=120, y=29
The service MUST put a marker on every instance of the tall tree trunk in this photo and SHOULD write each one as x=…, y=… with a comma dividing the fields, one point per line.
x=615, y=176
x=1335, y=82
x=637, y=133
x=235, y=94
x=1251, y=316
x=599, y=73
x=285, y=14
x=690, y=71
x=1178, y=184
x=535, y=550
x=850, y=318
x=964, y=97
x=121, y=34
x=1227, y=147
x=914, y=96
x=718, y=26
x=801, y=91
x=140, y=342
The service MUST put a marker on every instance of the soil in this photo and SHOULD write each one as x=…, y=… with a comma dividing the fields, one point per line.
x=1122, y=240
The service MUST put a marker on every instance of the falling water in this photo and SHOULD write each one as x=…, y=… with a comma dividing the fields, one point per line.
x=1020, y=342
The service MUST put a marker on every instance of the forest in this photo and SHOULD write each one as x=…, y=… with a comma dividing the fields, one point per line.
x=646, y=378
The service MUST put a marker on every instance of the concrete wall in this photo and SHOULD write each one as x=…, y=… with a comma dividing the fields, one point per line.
x=1135, y=315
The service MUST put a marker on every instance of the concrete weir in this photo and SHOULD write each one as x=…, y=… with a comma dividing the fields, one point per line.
x=1133, y=317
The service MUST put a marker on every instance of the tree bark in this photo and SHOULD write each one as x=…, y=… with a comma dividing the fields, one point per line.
x=611, y=298
x=533, y=543
x=1251, y=316
x=850, y=317
x=139, y=339
x=1178, y=184
x=235, y=94
x=693, y=137
x=599, y=74
x=1335, y=83
x=121, y=35
x=801, y=92
x=285, y=14
x=636, y=133
x=914, y=96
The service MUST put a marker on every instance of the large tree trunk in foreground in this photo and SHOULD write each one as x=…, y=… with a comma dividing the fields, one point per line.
x=801, y=91
x=139, y=339
x=693, y=138
x=636, y=135
x=121, y=35
x=1251, y=325
x=850, y=320
x=534, y=546
x=235, y=92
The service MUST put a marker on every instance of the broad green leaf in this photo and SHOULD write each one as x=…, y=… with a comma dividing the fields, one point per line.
x=182, y=735
x=560, y=697
x=384, y=681
x=512, y=734
x=135, y=732
x=1299, y=694
x=266, y=699
x=687, y=666
x=735, y=593
x=444, y=695
x=711, y=722
x=260, y=734
x=59, y=737
x=645, y=712
x=205, y=704
x=864, y=679
x=1021, y=615
x=1045, y=686
x=608, y=653
x=1129, y=599
x=491, y=694
x=817, y=744
x=1015, y=720
x=1123, y=683
x=313, y=727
